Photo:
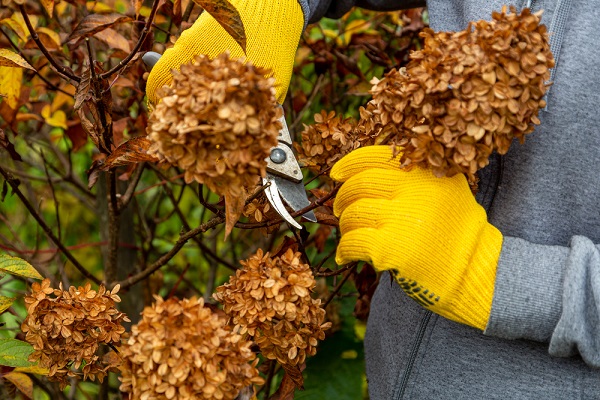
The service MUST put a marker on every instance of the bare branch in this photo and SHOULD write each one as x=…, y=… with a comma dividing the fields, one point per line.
x=15, y=187
x=61, y=69
x=123, y=63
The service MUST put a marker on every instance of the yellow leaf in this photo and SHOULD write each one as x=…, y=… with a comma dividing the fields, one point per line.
x=356, y=26
x=53, y=35
x=17, y=24
x=61, y=98
x=330, y=33
x=5, y=303
x=9, y=58
x=34, y=369
x=57, y=118
x=22, y=382
x=49, y=6
x=18, y=266
x=10, y=85
x=98, y=7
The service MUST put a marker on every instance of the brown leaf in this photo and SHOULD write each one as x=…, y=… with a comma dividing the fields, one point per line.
x=327, y=219
x=8, y=146
x=228, y=17
x=22, y=382
x=177, y=16
x=234, y=206
x=291, y=380
x=132, y=151
x=76, y=134
x=137, y=6
x=83, y=93
x=89, y=128
x=94, y=23
x=114, y=39
x=93, y=174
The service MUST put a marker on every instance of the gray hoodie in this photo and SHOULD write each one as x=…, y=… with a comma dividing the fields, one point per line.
x=542, y=340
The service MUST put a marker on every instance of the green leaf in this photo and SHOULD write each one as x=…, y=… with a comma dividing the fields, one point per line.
x=17, y=266
x=14, y=353
x=5, y=302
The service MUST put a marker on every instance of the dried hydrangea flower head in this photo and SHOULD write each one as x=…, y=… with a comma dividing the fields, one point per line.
x=217, y=121
x=465, y=94
x=269, y=298
x=326, y=141
x=67, y=327
x=183, y=350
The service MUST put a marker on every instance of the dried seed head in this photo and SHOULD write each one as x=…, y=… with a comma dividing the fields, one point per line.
x=217, y=121
x=66, y=328
x=183, y=350
x=464, y=95
x=326, y=141
x=269, y=299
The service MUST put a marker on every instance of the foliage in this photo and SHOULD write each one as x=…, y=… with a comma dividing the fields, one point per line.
x=83, y=202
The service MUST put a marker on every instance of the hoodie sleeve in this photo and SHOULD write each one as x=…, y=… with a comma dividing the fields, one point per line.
x=316, y=9
x=549, y=294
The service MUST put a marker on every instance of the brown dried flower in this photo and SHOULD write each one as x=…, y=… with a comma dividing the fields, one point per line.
x=66, y=329
x=183, y=350
x=217, y=121
x=464, y=95
x=326, y=141
x=269, y=299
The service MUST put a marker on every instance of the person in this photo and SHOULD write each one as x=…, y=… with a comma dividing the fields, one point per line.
x=503, y=291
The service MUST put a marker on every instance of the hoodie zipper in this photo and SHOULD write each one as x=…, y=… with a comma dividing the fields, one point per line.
x=413, y=355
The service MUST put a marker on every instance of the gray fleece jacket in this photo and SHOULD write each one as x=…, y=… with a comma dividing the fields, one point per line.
x=542, y=340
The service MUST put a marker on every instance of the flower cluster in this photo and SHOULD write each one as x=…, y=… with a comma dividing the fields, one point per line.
x=183, y=350
x=464, y=95
x=269, y=299
x=326, y=141
x=217, y=121
x=67, y=327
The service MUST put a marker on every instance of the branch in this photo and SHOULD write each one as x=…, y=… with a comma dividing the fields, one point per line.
x=42, y=77
x=128, y=195
x=183, y=238
x=61, y=69
x=14, y=184
x=123, y=63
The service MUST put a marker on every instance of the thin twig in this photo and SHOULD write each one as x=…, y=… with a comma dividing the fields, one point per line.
x=61, y=69
x=128, y=195
x=123, y=63
x=340, y=284
x=14, y=184
x=315, y=91
x=183, y=239
x=42, y=77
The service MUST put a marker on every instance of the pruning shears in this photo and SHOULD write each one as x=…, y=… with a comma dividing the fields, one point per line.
x=283, y=181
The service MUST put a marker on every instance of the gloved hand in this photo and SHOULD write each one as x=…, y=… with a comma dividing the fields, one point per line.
x=429, y=232
x=273, y=30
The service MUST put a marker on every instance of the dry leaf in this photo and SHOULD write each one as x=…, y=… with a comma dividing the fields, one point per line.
x=22, y=382
x=228, y=17
x=94, y=23
x=114, y=39
x=8, y=146
x=132, y=151
x=48, y=6
x=9, y=58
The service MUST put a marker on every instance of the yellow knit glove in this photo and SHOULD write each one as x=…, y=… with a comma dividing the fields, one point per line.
x=273, y=30
x=429, y=232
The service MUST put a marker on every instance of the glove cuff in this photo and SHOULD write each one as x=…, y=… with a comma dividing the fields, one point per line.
x=473, y=300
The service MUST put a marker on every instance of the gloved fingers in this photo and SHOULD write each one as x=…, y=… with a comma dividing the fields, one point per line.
x=364, y=158
x=372, y=183
x=357, y=245
x=367, y=213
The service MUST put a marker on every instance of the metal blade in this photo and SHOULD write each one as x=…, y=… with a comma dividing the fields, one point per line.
x=272, y=193
x=294, y=195
x=150, y=59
